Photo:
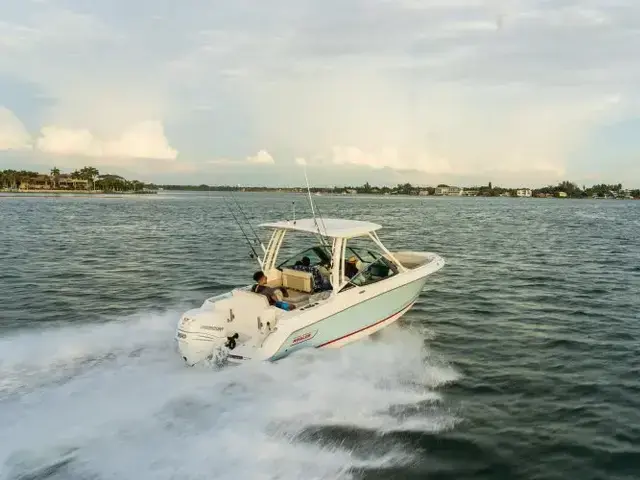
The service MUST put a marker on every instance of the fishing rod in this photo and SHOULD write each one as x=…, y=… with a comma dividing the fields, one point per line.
x=321, y=219
x=313, y=212
x=254, y=254
x=246, y=219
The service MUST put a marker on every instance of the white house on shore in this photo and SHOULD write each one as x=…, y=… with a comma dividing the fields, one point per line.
x=523, y=192
x=448, y=191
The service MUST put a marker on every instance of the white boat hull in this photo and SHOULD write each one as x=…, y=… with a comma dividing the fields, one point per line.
x=271, y=334
x=366, y=331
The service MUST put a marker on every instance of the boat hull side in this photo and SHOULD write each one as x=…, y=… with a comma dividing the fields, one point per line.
x=366, y=331
x=355, y=321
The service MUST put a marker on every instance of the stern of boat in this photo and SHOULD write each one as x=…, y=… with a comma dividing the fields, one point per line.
x=229, y=327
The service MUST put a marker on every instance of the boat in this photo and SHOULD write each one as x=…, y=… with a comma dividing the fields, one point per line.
x=241, y=325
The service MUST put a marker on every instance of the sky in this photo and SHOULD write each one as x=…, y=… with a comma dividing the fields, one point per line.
x=514, y=92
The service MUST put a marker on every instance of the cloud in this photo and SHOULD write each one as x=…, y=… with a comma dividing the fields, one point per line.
x=13, y=134
x=143, y=140
x=425, y=163
x=390, y=158
x=433, y=87
x=262, y=157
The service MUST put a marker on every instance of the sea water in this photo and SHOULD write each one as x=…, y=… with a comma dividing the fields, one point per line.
x=520, y=359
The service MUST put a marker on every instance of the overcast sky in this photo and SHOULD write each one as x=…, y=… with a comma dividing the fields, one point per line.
x=517, y=92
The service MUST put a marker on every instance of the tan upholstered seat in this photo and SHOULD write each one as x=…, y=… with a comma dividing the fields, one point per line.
x=297, y=280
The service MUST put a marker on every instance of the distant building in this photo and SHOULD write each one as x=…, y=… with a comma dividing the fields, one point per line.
x=47, y=182
x=448, y=191
x=562, y=194
x=523, y=192
x=470, y=193
x=65, y=181
x=423, y=193
x=41, y=182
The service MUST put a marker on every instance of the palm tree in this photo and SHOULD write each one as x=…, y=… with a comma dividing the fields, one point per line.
x=11, y=176
x=90, y=174
x=55, y=176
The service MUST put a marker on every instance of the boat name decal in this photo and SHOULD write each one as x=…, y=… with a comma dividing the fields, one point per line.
x=304, y=337
x=209, y=327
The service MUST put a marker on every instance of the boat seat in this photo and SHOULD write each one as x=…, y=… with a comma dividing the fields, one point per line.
x=297, y=280
x=248, y=307
x=295, y=297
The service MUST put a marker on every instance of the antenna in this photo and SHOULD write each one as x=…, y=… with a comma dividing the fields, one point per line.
x=294, y=212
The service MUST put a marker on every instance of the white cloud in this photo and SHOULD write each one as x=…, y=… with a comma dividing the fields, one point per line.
x=13, y=134
x=262, y=157
x=143, y=140
x=438, y=87
x=391, y=158
x=221, y=161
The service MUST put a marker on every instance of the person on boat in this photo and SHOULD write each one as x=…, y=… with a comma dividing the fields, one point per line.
x=261, y=288
x=319, y=281
x=350, y=267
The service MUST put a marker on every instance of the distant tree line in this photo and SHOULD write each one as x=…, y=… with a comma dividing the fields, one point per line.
x=203, y=187
x=572, y=190
x=13, y=179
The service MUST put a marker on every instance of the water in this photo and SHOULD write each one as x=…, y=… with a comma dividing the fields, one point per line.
x=521, y=359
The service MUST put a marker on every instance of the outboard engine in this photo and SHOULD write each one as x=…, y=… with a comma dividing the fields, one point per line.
x=218, y=327
x=201, y=333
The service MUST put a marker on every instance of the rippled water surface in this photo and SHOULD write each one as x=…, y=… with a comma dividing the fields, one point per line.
x=520, y=360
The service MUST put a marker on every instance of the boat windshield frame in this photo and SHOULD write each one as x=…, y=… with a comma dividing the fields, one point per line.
x=338, y=249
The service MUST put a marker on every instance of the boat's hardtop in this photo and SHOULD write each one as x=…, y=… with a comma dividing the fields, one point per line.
x=327, y=227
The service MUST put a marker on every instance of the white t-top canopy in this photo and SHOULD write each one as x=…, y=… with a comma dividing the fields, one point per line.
x=329, y=227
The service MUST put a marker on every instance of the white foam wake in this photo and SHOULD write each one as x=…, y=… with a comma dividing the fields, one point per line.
x=115, y=401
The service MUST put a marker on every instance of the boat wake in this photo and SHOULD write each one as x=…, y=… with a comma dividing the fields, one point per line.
x=114, y=401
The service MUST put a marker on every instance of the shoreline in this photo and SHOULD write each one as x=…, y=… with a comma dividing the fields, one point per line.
x=98, y=193
x=61, y=193
x=385, y=195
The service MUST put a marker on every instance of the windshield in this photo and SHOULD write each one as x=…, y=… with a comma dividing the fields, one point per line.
x=318, y=255
x=364, y=255
x=372, y=273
